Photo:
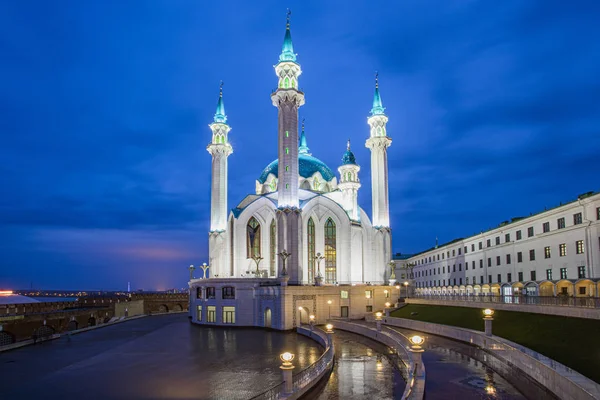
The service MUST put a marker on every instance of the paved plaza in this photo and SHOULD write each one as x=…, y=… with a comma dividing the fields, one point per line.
x=159, y=357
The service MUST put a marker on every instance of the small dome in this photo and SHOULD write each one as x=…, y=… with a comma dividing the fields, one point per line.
x=348, y=158
x=308, y=165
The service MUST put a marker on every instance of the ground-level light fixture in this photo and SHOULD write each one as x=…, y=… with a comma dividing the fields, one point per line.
x=329, y=328
x=286, y=358
x=311, y=317
x=388, y=305
x=416, y=340
x=378, y=314
x=488, y=313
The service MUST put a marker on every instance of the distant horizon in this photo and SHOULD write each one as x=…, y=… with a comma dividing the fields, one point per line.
x=492, y=112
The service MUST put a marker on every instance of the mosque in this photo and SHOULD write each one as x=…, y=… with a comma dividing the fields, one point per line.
x=303, y=226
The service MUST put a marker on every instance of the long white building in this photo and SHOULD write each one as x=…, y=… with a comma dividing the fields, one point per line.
x=555, y=252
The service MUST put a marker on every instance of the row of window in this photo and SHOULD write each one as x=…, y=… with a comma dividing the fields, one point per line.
x=227, y=293
x=577, y=220
x=581, y=274
x=562, y=252
x=227, y=315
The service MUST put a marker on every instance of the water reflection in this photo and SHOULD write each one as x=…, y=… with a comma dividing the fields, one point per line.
x=362, y=371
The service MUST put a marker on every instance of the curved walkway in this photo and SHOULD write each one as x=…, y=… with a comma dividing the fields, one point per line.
x=361, y=371
x=456, y=370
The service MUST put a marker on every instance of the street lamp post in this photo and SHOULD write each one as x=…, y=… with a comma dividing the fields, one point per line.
x=286, y=369
x=300, y=312
x=378, y=316
x=329, y=305
x=191, y=268
x=488, y=314
x=319, y=277
x=416, y=351
x=392, y=265
x=406, y=286
x=387, y=308
x=311, y=321
x=204, y=268
x=284, y=256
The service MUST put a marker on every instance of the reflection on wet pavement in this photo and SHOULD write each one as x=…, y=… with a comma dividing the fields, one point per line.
x=160, y=357
x=455, y=372
x=361, y=371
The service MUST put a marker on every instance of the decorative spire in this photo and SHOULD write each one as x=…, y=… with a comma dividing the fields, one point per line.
x=377, y=104
x=303, y=148
x=287, y=51
x=220, y=116
x=348, y=157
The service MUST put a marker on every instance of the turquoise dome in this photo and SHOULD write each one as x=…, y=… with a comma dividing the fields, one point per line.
x=308, y=166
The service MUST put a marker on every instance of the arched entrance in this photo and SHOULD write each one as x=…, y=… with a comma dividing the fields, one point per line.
x=584, y=288
x=163, y=308
x=72, y=325
x=178, y=307
x=45, y=331
x=267, y=317
x=547, y=289
x=302, y=315
x=91, y=321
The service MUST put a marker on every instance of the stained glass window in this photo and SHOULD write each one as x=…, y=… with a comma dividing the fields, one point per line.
x=253, y=238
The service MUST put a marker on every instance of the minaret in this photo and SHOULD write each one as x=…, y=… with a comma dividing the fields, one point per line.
x=349, y=183
x=287, y=98
x=303, y=146
x=220, y=149
x=378, y=143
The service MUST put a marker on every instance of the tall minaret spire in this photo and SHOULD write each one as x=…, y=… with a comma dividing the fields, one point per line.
x=220, y=149
x=287, y=98
x=378, y=143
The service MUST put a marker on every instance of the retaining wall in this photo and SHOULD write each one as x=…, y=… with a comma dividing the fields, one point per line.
x=564, y=382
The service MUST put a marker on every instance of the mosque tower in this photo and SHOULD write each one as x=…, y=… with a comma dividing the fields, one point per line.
x=349, y=183
x=287, y=98
x=378, y=143
x=220, y=149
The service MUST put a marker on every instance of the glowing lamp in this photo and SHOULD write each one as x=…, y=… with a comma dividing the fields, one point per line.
x=488, y=313
x=329, y=328
x=378, y=314
x=299, y=308
x=329, y=302
x=311, y=317
x=405, y=283
x=388, y=305
x=385, y=291
x=417, y=340
x=398, y=287
x=286, y=358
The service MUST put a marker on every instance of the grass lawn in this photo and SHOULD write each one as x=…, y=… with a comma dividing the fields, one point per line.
x=571, y=341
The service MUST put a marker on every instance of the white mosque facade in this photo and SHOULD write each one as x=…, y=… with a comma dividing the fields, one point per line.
x=301, y=207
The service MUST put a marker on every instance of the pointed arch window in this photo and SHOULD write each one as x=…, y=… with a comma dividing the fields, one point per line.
x=330, y=251
x=253, y=238
x=310, y=231
x=316, y=183
x=272, y=248
x=286, y=83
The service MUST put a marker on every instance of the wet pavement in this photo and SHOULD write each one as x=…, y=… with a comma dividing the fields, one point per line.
x=455, y=371
x=159, y=357
x=361, y=371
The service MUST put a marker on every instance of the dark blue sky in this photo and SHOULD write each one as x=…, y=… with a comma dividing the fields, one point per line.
x=104, y=106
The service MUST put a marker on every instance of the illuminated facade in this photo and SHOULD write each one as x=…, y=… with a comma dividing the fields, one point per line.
x=300, y=206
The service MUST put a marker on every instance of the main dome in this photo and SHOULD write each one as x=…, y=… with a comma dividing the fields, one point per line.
x=307, y=164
